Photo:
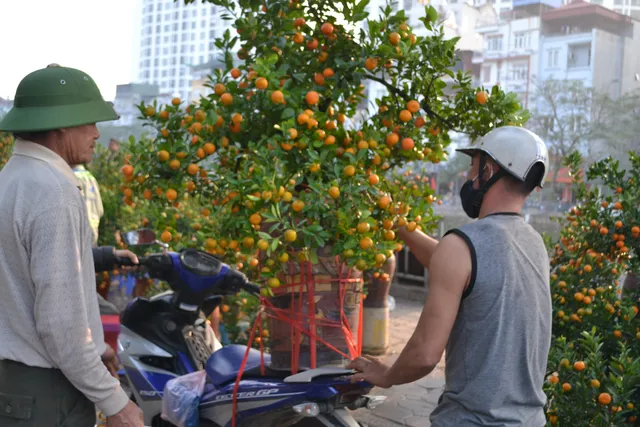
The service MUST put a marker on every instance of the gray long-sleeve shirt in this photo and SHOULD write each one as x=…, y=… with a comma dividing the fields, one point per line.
x=49, y=313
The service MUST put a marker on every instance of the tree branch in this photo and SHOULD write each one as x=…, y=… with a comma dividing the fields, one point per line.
x=398, y=92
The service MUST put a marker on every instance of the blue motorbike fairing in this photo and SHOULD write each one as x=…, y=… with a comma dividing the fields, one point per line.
x=150, y=385
x=195, y=282
x=186, y=363
x=223, y=365
x=263, y=397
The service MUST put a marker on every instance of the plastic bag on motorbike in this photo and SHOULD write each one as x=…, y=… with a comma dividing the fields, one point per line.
x=182, y=398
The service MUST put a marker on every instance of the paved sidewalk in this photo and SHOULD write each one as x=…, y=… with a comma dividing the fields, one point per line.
x=409, y=404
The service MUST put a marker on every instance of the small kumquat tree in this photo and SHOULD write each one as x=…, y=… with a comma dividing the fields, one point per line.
x=594, y=363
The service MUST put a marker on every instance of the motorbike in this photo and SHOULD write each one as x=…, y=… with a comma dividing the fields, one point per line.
x=167, y=336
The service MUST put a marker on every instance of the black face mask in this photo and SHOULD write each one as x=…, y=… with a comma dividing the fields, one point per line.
x=471, y=198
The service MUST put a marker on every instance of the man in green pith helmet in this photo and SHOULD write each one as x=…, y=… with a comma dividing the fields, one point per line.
x=51, y=372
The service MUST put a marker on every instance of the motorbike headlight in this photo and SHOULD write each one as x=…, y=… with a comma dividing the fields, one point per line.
x=308, y=409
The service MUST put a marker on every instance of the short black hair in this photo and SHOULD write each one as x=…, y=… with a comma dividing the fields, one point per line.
x=532, y=180
x=32, y=136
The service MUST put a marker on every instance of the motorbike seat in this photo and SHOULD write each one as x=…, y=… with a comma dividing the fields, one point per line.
x=223, y=365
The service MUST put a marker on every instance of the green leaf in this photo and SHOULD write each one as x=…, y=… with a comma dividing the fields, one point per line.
x=264, y=235
x=288, y=113
x=274, y=244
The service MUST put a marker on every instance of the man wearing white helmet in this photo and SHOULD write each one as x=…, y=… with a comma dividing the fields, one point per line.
x=489, y=303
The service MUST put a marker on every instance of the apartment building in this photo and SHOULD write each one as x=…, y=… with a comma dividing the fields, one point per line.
x=510, y=53
x=174, y=37
x=588, y=42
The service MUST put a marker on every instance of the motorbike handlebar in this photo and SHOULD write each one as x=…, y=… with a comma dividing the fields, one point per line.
x=125, y=262
x=252, y=288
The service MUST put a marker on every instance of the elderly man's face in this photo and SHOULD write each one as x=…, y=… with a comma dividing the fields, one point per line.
x=78, y=143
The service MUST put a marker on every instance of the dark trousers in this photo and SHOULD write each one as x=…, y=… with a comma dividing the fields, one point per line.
x=39, y=397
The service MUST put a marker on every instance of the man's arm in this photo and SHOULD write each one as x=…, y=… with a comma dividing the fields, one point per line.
x=104, y=258
x=60, y=312
x=107, y=257
x=421, y=245
x=449, y=274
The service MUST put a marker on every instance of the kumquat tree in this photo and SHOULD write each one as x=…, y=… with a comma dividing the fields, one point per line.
x=283, y=153
x=594, y=363
x=6, y=147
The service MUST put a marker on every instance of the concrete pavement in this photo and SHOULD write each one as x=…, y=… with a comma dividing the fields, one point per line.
x=408, y=404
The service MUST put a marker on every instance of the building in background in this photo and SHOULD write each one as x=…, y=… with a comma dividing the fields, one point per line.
x=129, y=96
x=173, y=38
x=583, y=41
x=5, y=106
x=510, y=54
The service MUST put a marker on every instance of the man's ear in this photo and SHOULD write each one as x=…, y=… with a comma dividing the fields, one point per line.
x=491, y=168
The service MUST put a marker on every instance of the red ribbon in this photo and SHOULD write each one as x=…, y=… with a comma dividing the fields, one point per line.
x=294, y=317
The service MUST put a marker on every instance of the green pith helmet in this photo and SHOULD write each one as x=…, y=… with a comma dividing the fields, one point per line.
x=55, y=98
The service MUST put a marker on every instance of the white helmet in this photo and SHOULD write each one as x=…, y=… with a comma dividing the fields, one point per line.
x=515, y=149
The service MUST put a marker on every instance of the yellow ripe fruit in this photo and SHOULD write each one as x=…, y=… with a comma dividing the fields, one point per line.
x=263, y=245
x=290, y=236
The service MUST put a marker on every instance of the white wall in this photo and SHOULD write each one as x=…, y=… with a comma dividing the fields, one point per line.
x=556, y=65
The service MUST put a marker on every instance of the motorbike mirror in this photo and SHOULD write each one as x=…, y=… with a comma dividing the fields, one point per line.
x=140, y=237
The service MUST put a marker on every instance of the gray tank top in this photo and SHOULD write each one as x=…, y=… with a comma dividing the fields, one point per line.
x=496, y=357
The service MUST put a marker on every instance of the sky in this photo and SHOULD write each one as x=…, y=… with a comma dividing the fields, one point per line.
x=98, y=37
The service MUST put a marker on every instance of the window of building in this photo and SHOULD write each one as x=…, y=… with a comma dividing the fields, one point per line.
x=494, y=43
x=579, y=55
x=486, y=73
x=184, y=26
x=519, y=72
x=553, y=56
x=212, y=45
x=203, y=36
x=185, y=14
x=164, y=73
x=193, y=37
x=175, y=26
x=166, y=39
x=522, y=40
x=203, y=23
x=193, y=25
x=635, y=14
